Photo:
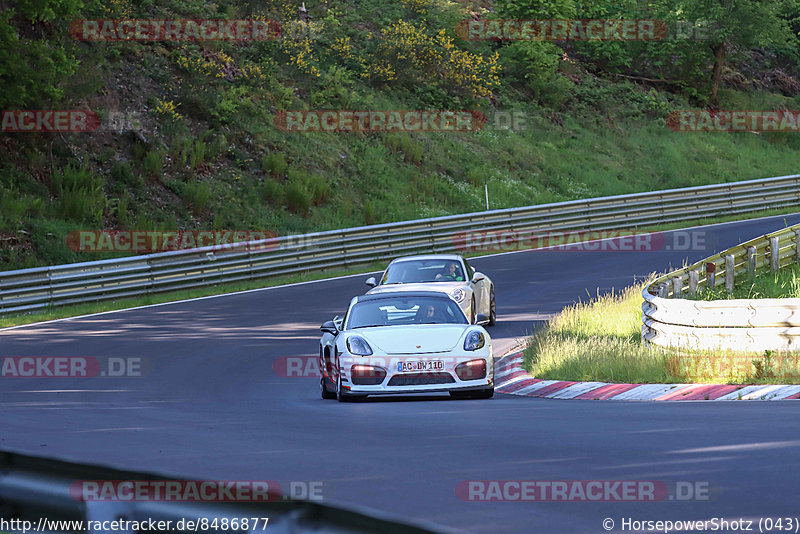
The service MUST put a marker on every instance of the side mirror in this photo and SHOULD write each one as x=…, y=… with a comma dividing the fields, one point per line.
x=481, y=318
x=371, y=281
x=337, y=321
x=329, y=327
x=477, y=277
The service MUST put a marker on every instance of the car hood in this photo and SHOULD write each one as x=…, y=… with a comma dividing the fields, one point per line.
x=444, y=287
x=418, y=339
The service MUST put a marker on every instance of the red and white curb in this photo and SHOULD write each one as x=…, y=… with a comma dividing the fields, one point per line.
x=511, y=378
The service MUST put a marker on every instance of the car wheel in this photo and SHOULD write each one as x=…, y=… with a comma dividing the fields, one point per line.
x=472, y=311
x=492, y=308
x=323, y=388
x=342, y=395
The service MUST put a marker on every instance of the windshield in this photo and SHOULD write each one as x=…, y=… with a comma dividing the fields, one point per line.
x=405, y=311
x=416, y=271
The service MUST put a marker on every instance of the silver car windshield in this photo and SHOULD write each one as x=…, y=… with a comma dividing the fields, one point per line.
x=420, y=271
x=404, y=311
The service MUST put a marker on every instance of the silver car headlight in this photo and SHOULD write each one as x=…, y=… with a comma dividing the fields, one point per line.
x=458, y=294
x=358, y=345
x=475, y=340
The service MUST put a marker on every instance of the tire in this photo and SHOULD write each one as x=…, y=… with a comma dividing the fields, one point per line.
x=492, y=308
x=472, y=312
x=342, y=395
x=323, y=388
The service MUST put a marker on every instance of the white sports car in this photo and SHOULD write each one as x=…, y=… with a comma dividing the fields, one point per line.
x=405, y=342
x=448, y=273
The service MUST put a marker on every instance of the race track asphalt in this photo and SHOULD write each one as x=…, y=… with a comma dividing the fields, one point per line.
x=210, y=405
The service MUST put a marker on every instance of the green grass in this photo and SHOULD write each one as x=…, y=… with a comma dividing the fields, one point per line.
x=600, y=340
x=784, y=283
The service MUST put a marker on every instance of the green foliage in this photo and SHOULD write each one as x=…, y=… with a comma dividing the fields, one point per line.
x=122, y=173
x=196, y=195
x=272, y=192
x=153, y=163
x=31, y=70
x=538, y=9
x=370, y=213
x=534, y=65
x=314, y=185
x=275, y=164
x=79, y=195
x=298, y=197
x=413, y=151
x=198, y=155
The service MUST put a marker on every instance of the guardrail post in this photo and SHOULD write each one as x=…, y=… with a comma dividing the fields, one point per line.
x=711, y=276
x=751, y=262
x=729, y=273
x=694, y=278
x=774, y=253
x=677, y=287
x=663, y=290
x=797, y=244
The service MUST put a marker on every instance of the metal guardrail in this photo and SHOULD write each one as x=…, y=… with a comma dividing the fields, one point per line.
x=31, y=289
x=738, y=324
x=32, y=488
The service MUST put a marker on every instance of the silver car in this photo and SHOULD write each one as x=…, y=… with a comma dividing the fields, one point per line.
x=447, y=273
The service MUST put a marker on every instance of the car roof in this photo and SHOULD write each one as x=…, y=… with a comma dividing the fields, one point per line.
x=455, y=257
x=402, y=294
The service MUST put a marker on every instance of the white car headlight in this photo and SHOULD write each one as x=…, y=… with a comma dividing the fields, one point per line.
x=358, y=345
x=475, y=340
x=458, y=294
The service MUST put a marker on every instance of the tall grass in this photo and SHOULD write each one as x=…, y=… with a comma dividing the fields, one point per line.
x=600, y=340
x=784, y=283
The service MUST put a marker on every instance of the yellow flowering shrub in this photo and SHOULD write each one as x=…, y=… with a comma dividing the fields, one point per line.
x=411, y=51
x=167, y=109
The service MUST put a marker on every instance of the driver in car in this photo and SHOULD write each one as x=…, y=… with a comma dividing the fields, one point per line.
x=428, y=314
x=451, y=272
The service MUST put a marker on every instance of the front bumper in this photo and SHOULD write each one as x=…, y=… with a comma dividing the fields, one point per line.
x=421, y=381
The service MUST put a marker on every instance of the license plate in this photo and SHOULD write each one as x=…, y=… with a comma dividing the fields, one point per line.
x=412, y=367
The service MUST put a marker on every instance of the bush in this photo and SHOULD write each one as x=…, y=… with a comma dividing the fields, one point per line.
x=196, y=195
x=319, y=188
x=370, y=215
x=412, y=150
x=274, y=163
x=298, y=198
x=272, y=192
x=153, y=162
x=123, y=174
x=198, y=155
x=80, y=195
